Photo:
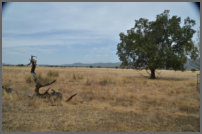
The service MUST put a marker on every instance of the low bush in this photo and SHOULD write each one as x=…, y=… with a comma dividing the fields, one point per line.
x=28, y=79
x=77, y=76
x=53, y=74
x=105, y=81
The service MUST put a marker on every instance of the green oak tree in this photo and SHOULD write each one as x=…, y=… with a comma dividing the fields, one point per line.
x=161, y=44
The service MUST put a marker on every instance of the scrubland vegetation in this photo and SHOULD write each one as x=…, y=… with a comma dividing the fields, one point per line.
x=108, y=100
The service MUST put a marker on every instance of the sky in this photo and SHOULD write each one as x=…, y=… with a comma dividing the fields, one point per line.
x=71, y=32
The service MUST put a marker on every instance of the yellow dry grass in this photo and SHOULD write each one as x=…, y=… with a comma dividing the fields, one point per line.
x=108, y=100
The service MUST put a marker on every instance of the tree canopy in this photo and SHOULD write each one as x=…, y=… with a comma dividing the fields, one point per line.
x=161, y=44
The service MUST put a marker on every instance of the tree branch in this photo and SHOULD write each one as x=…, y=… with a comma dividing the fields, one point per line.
x=49, y=83
x=71, y=97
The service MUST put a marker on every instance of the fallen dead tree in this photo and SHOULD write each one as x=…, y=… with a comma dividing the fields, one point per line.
x=54, y=94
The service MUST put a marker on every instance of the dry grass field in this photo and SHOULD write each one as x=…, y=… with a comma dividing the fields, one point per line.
x=108, y=100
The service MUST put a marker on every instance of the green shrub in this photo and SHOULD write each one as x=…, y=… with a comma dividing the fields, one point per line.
x=45, y=79
x=193, y=70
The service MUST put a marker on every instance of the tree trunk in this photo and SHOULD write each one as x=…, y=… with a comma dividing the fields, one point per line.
x=152, y=74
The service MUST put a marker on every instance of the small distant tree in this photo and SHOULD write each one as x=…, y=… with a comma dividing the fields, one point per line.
x=20, y=65
x=159, y=44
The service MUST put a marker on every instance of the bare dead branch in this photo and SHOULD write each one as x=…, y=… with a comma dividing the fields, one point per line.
x=38, y=83
x=58, y=95
x=71, y=97
x=46, y=94
x=49, y=83
x=47, y=90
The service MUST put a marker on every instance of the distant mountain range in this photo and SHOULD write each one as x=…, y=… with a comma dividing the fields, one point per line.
x=188, y=65
x=110, y=65
x=117, y=64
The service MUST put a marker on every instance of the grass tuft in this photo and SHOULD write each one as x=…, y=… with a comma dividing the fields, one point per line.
x=77, y=76
x=44, y=79
x=105, y=81
x=88, y=82
x=52, y=74
x=28, y=79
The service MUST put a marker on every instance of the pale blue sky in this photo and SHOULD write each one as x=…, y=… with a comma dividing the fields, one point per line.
x=69, y=32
